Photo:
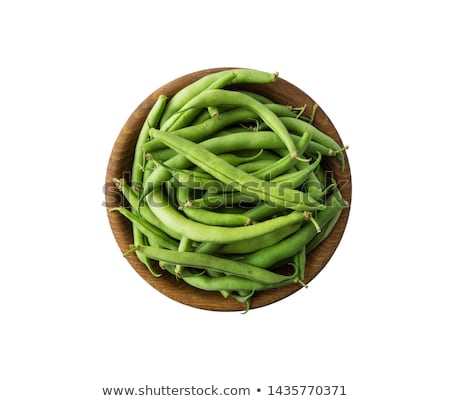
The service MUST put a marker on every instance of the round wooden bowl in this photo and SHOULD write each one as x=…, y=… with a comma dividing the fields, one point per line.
x=120, y=163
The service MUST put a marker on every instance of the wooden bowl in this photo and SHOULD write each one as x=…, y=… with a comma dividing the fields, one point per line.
x=120, y=163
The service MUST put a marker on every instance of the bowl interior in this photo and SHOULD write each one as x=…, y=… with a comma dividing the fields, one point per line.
x=120, y=162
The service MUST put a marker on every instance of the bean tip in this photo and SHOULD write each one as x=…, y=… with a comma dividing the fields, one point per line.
x=118, y=182
x=308, y=216
x=302, y=283
x=132, y=249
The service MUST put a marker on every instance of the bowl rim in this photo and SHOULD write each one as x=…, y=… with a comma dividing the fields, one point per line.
x=122, y=152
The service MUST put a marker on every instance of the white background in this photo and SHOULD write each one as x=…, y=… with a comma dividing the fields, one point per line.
x=75, y=317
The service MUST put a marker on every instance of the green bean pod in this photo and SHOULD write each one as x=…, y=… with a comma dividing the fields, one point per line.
x=300, y=262
x=242, y=75
x=336, y=197
x=151, y=121
x=185, y=245
x=224, y=199
x=299, y=126
x=143, y=210
x=155, y=236
x=324, y=234
x=256, y=166
x=207, y=216
x=297, y=178
x=231, y=283
x=172, y=219
x=206, y=129
x=256, y=243
x=263, y=211
x=214, y=263
x=230, y=175
x=290, y=246
x=140, y=239
x=181, y=119
x=217, y=97
x=197, y=179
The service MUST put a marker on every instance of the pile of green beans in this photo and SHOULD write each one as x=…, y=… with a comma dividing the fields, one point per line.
x=227, y=185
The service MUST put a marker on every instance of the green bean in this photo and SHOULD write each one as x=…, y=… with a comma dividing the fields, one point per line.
x=151, y=121
x=256, y=243
x=225, y=199
x=196, y=179
x=191, y=90
x=175, y=221
x=316, y=147
x=170, y=267
x=297, y=178
x=200, y=180
x=300, y=262
x=185, y=245
x=217, y=97
x=322, y=176
x=161, y=155
x=324, y=234
x=280, y=110
x=157, y=176
x=304, y=143
x=180, y=120
x=287, y=248
x=246, y=140
x=201, y=117
x=231, y=283
x=231, y=209
x=313, y=186
x=208, y=248
x=149, y=166
x=170, y=188
x=213, y=111
x=230, y=175
x=299, y=126
x=255, y=166
x=275, y=169
x=227, y=284
x=263, y=210
x=260, y=98
x=155, y=236
x=266, y=154
x=231, y=142
x=209, y=217
x=235, y=159
x=143, y=234
x=140, y=239
x=206, y=129
x=220, y=145
x=143, y=210
x=214, y=263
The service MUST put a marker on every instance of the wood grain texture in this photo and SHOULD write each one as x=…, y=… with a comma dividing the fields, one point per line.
x=120, y=162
